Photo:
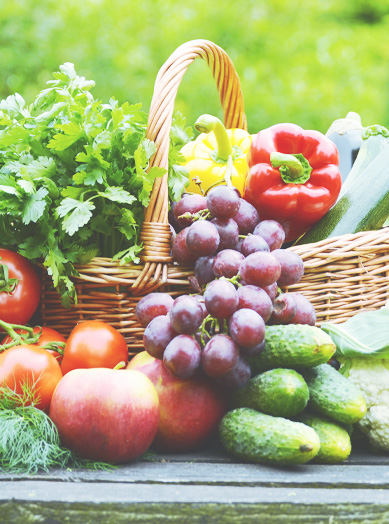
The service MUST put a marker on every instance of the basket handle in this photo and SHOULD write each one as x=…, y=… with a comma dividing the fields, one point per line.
x=155, y=231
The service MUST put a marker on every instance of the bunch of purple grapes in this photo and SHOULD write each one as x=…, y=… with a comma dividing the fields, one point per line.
x=239, y=267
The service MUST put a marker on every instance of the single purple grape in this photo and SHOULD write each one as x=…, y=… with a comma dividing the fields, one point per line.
x=284, y=309
x=226, y=263
x=252, y=244
x=247, y=328
x=186, y=315
x=292, y=267
x=228, y=231
x=188, y=204
x=272, y=232
x=223, y=202
x=151, y=306
x=157, y=335
x=203, y=238
x=203, y=270
x=260, y=269
x=247, y=217
x=255, y=298
x=305, y=313
x=182, y=356
x=180, y=251
x=221, y=298
x=219, y=356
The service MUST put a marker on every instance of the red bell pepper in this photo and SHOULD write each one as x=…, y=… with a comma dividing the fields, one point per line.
x=293, y=177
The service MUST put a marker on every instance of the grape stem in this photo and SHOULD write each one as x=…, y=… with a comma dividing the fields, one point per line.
x=197, y=181
x=204, y=214
x=234, y=280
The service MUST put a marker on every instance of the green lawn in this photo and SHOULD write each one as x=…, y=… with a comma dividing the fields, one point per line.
x=308, y=61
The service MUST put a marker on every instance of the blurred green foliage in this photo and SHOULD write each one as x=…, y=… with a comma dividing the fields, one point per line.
x=307, y=61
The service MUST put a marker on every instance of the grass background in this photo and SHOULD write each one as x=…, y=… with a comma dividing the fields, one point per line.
x=307, y=61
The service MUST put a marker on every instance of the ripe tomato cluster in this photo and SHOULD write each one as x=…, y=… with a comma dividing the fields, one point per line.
x=36, y=358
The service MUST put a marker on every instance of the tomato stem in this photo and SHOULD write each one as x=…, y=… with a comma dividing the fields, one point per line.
x=58, y=347
x=26, y=338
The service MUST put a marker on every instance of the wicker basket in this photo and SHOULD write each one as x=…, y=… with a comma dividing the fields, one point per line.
x=342, y=275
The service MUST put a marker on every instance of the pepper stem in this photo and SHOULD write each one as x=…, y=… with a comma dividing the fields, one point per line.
x=208, y=123
x=294, y=168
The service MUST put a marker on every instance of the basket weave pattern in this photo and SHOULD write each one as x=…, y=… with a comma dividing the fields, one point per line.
x=342, y=275
x=345, y=274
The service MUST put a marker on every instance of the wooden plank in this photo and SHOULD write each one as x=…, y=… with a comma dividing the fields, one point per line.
x=34, y=501
x=192, y=473
x=206, y=487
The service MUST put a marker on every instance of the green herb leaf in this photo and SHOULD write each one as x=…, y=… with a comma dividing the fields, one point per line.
x=178, y=180
x=129, y=255
x=75, y=177
x=34, y=206
x=71, y=133
x=117, y=194
x=77, y=214
x=180, y=134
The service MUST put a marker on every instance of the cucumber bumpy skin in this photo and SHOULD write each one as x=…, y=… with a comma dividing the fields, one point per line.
x=293, y=346
x=279, y=392
x=335, y=442
x=333, y=395
x=255, y=437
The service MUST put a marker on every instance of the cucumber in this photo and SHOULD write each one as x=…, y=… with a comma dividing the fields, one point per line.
x=278, y=392
x=333, y=395
x=363, y=204
x=335, y=442
x=293, y=346
x=255, y=437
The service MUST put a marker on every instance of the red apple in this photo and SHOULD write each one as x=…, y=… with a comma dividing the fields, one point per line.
x=190, y=409
x=106, y=414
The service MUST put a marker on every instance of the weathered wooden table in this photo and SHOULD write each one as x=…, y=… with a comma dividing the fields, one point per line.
x=206, y=487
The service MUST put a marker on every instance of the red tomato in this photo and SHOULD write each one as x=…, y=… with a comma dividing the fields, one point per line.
x=48, y=336
x=18, y=306
x=94, y=344
x=30, y=365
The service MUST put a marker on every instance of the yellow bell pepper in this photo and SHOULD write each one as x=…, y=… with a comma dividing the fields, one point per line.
x=207, y=156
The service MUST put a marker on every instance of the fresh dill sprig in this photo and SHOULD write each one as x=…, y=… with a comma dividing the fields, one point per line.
x=29, y=440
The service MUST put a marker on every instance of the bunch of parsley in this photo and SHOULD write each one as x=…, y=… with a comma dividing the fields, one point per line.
x=74, y=176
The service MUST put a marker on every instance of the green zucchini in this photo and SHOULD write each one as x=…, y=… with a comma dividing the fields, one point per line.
x=363, y=203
